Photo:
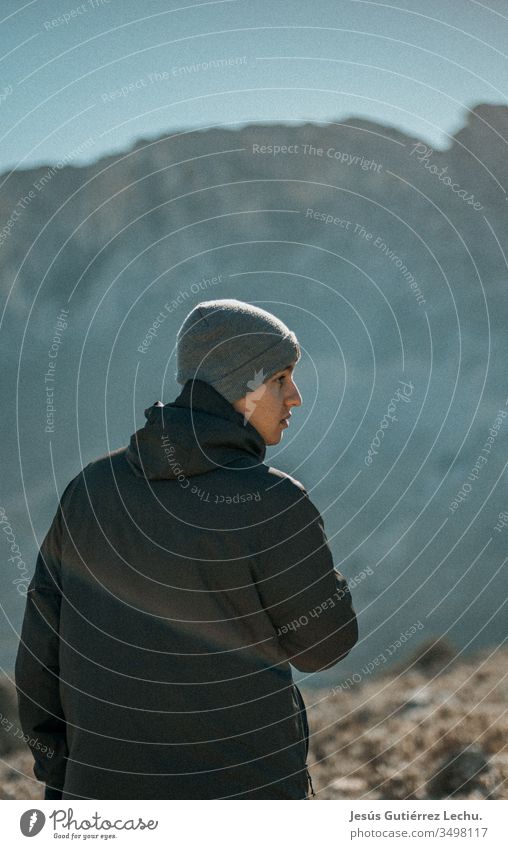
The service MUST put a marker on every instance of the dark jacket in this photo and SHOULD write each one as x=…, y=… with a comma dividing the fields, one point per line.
x=179, y=577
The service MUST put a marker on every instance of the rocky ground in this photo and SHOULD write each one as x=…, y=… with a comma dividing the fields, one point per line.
x=435, y=728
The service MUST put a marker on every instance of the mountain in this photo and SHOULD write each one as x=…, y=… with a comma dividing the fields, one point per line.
x=387, y=258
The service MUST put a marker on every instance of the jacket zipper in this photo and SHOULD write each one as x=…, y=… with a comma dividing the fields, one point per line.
x=305, y=737
x=309, y=781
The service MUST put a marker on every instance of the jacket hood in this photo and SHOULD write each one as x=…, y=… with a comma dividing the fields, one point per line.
x=197, y=432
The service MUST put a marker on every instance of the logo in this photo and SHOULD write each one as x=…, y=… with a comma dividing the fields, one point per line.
x=257, y=389
x=32, y=822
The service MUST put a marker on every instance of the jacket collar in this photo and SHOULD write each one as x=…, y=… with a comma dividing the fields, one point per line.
x=197, y=432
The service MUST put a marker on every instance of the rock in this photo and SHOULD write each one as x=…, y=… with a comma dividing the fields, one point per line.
x=349, y=784
x=458, y=772
x=417, y=699
x=432, y=656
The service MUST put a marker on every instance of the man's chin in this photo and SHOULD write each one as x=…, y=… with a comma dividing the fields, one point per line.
x=274, y=440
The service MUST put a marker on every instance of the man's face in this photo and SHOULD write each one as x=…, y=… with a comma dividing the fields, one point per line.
x=265, y=407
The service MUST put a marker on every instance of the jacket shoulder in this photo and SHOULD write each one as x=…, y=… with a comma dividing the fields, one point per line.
x=105, y=460
x=287, y=482
x=289, y=494
x=103, y=470
x=95, y=469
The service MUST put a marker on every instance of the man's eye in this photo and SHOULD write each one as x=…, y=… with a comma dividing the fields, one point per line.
x=282, y=377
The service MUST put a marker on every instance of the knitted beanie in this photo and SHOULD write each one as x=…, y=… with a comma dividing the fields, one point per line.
x=234, y=346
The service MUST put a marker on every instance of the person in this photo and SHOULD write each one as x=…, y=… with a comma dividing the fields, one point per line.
x=180, y=579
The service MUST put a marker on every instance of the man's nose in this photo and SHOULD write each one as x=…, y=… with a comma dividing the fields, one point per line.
x=295, y=399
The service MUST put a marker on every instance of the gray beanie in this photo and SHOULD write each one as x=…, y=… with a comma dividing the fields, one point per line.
x=234, y=346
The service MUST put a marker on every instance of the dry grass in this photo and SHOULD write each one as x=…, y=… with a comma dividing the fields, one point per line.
x=386, y=738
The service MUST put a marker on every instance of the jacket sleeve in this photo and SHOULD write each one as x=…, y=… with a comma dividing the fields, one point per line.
x=37, y=664
x=306, y=598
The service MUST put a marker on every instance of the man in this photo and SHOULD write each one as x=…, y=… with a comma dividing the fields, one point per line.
x=179, y=578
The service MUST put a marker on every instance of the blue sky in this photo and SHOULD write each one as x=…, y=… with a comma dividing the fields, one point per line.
x=79, y=80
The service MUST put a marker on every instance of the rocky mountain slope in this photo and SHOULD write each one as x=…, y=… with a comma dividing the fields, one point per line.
x=388, y=260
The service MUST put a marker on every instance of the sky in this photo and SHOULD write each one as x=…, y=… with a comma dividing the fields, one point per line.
x=80, y=80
